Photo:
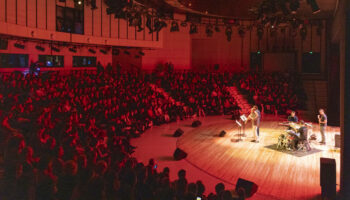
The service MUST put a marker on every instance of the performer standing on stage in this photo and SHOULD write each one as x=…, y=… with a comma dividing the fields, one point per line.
x=255, y=117
x=322, y=120
x=292, y=117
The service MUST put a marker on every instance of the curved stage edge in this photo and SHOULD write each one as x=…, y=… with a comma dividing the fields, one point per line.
x=215, y=159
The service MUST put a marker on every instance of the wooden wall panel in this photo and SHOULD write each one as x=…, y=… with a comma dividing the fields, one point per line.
x=114, y=27
x=21, y=12
x=41, y=14
x=31, y=13
x=87, y=20
x=105, y=21
x=131, y=32
x=51, y=15
x=11, y=11
x=2, y=10
x=122, y=29
x=97, y=20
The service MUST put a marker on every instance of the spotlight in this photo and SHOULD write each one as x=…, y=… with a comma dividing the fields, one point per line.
x=55, y=49
x=228, y=32
x=314, y=6
x=103, y=51
x=40, y=48
x=18, y=45
x=209, y=30
x=311, y=52
x=78, y=3
x=92, y=51
x=193, y=29
x=73, y=49
x=174, y=27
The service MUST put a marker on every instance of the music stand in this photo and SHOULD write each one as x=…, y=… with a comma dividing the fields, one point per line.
x=244, y=119
x=239, y=131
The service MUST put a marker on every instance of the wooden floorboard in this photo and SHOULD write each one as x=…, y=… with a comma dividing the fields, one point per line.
x=277, y=174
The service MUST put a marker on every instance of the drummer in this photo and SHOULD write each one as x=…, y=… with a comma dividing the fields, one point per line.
x=292, y=117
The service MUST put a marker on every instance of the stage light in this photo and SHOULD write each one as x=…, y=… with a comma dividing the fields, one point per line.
x=174, y=27
x=18, y=45
x=193, y=29
x=314, y=6
x=209, y=30
x=311, y=52
x=228, y=33
x=40, y=48
x=55, y=49
x=73, y=49
x=258, y=52
x=126, y=52
x=103, y=51
x=92, y=51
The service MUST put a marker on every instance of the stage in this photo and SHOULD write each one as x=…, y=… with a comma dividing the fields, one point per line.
x=214, y=159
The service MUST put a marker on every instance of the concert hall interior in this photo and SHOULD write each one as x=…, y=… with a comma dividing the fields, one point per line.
x=174, y=99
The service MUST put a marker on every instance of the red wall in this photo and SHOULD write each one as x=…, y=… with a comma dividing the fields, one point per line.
x=176, y=49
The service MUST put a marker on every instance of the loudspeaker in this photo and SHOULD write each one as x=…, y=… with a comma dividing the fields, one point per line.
x=178, y=132
x=328, y=177
x=222, y=134
x=249, y=187
x=337, y=140
x=179, y=154
x=196, y=123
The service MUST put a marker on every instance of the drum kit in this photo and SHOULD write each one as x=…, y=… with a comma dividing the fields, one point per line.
x=285, y=140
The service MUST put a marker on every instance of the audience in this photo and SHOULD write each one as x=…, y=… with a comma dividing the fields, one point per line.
x=66, y=134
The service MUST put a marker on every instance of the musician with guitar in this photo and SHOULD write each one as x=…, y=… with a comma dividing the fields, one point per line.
x=255, y=116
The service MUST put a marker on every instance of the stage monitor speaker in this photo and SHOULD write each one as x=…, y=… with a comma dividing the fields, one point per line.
x=249, y=187
x=328, y=177
x=337, y=140
x=196, y=123
x=222, y=133
x=179, y=154
x=178, y=132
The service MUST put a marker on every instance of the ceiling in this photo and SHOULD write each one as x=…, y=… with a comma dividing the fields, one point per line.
x=240, y=8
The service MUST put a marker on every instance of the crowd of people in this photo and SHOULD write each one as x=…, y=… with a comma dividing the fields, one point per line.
x=65, y=135
x=274, y=93
x=203, y=93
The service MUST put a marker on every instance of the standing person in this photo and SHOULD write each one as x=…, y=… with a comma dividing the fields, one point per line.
x=292, y=117
x=255, y=117
x=322, y=120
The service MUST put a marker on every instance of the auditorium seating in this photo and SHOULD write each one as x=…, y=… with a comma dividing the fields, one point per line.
x=70, y=131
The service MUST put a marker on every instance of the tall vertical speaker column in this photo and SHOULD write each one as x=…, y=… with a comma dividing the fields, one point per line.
x=328, y=178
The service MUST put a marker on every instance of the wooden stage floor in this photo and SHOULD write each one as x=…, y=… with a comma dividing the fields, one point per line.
x=278, y=175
